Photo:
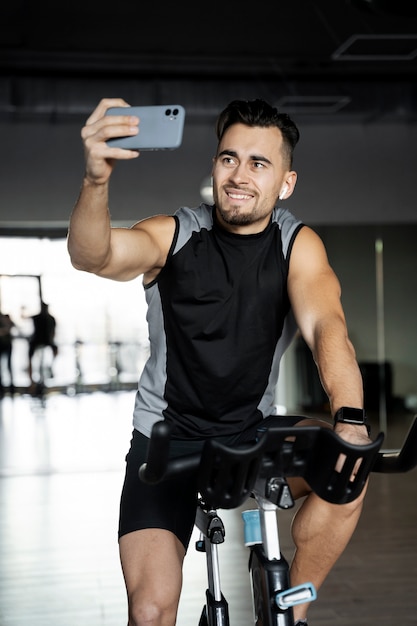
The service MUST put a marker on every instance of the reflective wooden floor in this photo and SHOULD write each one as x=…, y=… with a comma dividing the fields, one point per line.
x=61, y=468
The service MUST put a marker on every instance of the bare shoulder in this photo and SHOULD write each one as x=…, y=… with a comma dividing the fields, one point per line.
x=156, y=234
x=310, y=271
x=308, y=251
x=157, y=223
x=159, y=228
x=313, y=287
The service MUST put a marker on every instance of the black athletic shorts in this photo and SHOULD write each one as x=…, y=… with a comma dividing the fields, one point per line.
x=170, y=504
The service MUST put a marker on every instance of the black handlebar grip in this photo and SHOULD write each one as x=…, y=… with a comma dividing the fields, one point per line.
x=155, y=467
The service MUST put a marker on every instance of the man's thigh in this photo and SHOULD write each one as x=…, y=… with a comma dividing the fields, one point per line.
x=152, y=562
x=169, y=505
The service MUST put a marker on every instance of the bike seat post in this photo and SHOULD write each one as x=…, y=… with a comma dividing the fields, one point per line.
x=212, y=529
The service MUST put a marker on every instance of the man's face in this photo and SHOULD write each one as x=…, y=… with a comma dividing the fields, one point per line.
x=248, y=174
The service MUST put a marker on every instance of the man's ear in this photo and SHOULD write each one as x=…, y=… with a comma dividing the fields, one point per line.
x=288, y=186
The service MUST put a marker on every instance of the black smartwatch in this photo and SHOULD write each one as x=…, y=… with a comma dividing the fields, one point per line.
x=356, y=417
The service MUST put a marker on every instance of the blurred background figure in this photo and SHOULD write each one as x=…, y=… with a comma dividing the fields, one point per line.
x=43, y=336
x=6, y=346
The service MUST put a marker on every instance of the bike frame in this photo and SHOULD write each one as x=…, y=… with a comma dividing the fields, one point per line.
x=229, y=476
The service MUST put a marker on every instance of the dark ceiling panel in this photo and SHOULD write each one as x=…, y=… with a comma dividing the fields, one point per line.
x=336, y=58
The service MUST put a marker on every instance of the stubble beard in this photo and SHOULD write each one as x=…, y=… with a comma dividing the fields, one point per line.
x=235, y=217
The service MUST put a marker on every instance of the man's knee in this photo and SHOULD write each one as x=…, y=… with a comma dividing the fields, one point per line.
x=151, y=610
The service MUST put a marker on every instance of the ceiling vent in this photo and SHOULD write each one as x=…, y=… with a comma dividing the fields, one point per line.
x=398, y=8
x=313, y=104
x=377, y=48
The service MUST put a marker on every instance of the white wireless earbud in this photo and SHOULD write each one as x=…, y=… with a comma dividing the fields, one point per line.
x=283, y=192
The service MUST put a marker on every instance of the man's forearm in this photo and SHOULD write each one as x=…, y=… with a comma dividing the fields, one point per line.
x=338, y=368
x=90, y=228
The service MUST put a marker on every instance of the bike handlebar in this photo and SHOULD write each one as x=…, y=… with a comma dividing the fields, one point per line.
x=335, y=469
x=401, y=460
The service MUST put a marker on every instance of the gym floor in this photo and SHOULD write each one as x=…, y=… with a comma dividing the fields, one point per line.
x=61, y=469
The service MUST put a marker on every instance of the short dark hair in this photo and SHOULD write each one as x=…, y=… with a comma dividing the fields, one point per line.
x=259, y=113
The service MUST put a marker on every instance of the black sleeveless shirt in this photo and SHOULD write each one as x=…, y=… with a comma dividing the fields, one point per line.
x=219, y=321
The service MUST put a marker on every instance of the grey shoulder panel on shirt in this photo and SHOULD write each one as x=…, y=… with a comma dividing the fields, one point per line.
x=288, y=224
x=192, y=220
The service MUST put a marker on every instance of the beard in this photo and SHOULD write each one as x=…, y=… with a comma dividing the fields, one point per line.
x=235, y=217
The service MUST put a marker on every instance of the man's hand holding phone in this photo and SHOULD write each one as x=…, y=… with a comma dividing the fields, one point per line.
x=99, y=128
x=117, y=131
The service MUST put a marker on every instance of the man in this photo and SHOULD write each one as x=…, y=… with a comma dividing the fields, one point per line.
x=6, y=346
x=227, y=285
x=44, y=326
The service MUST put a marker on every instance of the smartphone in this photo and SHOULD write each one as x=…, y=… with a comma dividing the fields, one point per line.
x=160, y=127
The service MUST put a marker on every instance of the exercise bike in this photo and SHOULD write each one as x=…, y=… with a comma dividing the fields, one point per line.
x=227, y=477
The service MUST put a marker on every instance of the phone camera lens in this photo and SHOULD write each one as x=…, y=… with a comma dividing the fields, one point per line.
x=171, y=113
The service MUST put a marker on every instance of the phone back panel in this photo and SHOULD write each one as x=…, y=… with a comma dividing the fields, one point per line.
x=160, y=127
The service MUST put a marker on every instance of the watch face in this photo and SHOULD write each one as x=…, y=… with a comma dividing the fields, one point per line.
x=350, y=415
x=353, y=415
